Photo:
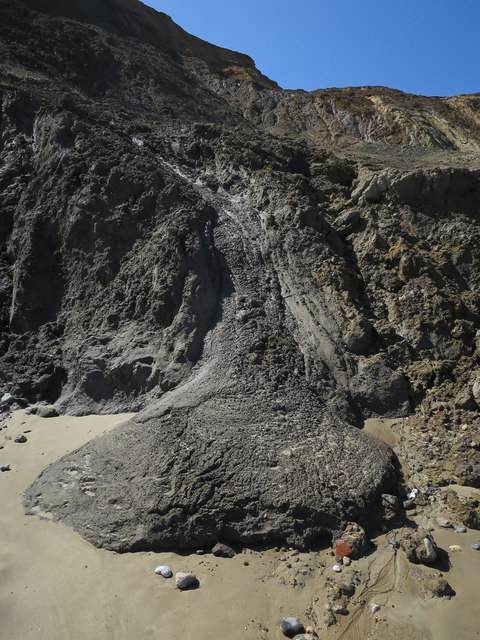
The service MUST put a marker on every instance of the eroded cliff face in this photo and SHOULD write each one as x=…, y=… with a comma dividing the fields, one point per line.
x=255, y=270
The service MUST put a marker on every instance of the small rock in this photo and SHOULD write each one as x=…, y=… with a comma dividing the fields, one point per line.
x=221, y=550
x=164, y=571
x=374, y=607
x=185, y=580
x=329, y=619
x=7, y=398
x=475, y=545
x=460, y=529
x=336, y=568
x=347, y=562
x=432, y=585
x=46, y=411
x=444, y=522
x=455, y=547
x=20, y=438
x=419, y=545
x=340, y=609
x=4, y=467
x=291, y=627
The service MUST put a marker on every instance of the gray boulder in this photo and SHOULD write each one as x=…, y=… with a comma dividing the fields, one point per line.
x=45, y=411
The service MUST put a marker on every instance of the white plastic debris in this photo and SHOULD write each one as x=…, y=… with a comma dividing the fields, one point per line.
x=163, y=570
x=337, y=568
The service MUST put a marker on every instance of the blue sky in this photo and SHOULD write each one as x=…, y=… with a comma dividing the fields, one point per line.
x=423, y=47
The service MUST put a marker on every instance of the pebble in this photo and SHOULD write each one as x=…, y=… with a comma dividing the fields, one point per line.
x=184, y=580
x=291, y=626
x=460, y=529
x=163, y=570
x=21, y=438
x=476, y=546
x=444, y=522
x=340, y=609
x=374, y=607
x=336, y=568
x=347, y=561
x=4, y=467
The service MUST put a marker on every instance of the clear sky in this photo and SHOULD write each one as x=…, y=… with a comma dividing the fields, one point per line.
x=418, y=46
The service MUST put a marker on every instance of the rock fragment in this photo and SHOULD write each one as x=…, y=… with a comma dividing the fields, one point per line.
x=163, y=570
x=419, y=546
x=444, y=522
x=431, y=584
x=184, y=580
x=21, y=438
x=222, y=550
x=291, y=627
x=47, y=411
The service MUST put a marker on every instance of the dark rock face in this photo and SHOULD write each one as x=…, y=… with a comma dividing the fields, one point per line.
x=240, y=264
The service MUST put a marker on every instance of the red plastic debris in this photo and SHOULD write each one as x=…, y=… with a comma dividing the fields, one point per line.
x=342, y=549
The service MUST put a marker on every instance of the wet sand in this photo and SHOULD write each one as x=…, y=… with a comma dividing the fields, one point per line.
x=54, y=585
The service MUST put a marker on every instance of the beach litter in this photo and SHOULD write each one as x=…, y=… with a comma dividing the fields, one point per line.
x=163, y=570
x=342, y=549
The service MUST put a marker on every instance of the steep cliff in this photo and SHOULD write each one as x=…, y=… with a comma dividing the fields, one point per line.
x=255, y=270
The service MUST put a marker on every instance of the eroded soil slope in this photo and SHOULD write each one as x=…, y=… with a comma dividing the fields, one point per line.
x=255, y=270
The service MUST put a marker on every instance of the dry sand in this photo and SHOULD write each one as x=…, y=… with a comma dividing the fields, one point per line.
x=54, y=585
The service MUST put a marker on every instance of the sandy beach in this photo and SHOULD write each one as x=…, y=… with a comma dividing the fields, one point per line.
x=54, y=585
